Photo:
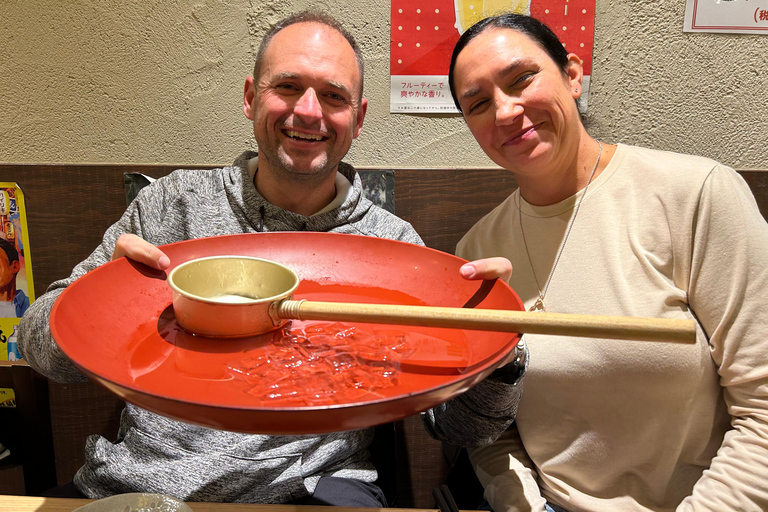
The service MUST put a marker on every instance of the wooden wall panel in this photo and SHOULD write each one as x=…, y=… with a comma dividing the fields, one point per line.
x=70, y=206
x=758, y=183
x=442, y=204
x=68, y=209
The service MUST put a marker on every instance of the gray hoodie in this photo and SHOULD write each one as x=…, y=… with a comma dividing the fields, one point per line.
x=156, y=454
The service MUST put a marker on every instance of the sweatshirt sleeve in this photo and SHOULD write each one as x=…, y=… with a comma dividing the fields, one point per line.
x=480, y=415
x=727, y=285
x=36, y=344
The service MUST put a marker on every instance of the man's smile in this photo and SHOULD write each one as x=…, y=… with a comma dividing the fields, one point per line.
x=293, y=134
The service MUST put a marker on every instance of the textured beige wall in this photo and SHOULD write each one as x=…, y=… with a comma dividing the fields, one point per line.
x=148, y=81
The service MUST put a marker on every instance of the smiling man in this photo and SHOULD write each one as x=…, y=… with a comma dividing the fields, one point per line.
x=305, y=101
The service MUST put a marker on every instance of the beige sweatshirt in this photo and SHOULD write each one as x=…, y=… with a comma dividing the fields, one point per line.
x=636, y=425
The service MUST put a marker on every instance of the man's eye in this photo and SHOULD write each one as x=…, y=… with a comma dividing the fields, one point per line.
x=286, y=87
x=336, y=98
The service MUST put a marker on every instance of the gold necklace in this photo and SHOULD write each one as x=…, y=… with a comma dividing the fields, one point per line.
x=539, y=304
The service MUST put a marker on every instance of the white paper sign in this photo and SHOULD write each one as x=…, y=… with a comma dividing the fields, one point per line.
x=727, y=16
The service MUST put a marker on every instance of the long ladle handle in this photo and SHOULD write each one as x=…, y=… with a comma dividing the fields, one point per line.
x=593, y=326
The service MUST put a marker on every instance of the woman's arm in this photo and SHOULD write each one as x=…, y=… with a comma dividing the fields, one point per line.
x=727, y=293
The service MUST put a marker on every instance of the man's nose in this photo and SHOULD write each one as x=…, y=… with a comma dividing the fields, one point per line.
x=308, y=105
x=508, y=108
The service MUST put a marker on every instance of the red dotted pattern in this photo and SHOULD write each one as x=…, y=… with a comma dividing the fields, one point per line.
x=573, y=21
x=418, y=49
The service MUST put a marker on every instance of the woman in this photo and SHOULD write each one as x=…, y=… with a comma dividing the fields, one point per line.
x=613, y=230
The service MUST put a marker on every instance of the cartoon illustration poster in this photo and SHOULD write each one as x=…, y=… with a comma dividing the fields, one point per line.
x=424, y=33
x=726, y=16
x=16, y=288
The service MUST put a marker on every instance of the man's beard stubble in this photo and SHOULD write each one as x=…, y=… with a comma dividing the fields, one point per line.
x=286, y=170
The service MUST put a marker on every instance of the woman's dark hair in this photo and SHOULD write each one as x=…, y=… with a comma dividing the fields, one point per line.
x=529, y=26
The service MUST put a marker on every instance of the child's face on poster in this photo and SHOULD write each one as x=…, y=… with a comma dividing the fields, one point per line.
x=8, y=270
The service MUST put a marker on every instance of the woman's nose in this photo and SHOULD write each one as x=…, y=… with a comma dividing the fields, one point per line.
x=308, y=105
x=508, y=108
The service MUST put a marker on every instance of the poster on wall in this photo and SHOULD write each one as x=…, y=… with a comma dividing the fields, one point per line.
x=424, y=33
x=726, y=16
x=16, y=288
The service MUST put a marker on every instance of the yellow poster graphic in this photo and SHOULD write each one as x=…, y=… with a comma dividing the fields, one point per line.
x=16, y=286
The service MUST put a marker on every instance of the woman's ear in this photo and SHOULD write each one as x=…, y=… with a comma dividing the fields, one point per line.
x=574, y=70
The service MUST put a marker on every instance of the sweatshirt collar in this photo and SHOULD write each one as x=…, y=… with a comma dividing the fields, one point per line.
x=343, y=185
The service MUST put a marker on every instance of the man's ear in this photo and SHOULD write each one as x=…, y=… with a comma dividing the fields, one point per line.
x=360, y=117
x=15, y=266
x=249, y=97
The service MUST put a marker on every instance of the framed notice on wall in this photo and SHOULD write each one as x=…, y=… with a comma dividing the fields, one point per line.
x=424, y=33
x=726, y=16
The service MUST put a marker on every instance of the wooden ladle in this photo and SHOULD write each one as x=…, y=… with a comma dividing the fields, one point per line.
x=230, y=296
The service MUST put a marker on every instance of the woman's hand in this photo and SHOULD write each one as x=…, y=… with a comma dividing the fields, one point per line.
x=487, y=268
x=138, y=249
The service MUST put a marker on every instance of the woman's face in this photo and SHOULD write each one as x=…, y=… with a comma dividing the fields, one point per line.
x=517, y=102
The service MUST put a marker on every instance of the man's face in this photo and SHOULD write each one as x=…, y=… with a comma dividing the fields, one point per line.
x=305, y=104
x=8, y=270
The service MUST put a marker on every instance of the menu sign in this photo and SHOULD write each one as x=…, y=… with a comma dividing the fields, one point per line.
x=726, y=16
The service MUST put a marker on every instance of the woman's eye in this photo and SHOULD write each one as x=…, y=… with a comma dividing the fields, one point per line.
x=477, y=107
x=523, y=78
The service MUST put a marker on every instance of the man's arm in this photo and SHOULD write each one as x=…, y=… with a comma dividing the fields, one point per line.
x=36, y=344
x=479, y=416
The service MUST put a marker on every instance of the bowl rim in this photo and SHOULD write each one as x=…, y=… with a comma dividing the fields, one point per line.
x=287, y=293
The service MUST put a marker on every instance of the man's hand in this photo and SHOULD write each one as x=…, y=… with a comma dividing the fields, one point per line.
x=138, y=249
x=488, y=268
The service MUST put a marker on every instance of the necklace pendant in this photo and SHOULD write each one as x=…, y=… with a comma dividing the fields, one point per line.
x=538, y=306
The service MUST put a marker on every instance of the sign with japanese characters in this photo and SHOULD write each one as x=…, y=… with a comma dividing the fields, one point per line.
x=726, y=16
x=424, y=33
x=16, y=289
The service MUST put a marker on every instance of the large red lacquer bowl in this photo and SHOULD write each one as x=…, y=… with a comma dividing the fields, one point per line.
x=116, y=323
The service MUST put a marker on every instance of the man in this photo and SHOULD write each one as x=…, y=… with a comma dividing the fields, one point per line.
x=13, y=302
x=305, y=101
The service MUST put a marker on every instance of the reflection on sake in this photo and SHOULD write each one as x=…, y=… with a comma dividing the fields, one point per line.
x=234, y=298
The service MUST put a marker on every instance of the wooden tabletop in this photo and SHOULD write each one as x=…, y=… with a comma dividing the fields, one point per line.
x=34, y=504
x=19, y=362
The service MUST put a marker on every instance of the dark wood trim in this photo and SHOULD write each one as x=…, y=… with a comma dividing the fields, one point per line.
x=26, y=429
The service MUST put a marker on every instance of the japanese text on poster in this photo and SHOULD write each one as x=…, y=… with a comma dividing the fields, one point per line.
x=16, y=288
x=424, y=33
x=726, y=16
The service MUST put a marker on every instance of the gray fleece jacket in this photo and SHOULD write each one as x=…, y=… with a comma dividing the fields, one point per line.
x=156, y=454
